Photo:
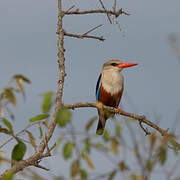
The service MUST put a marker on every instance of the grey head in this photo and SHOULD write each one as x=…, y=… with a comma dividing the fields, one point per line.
x=116, y=65
x=112, y=64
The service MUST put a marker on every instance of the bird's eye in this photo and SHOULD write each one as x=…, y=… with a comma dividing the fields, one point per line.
x=113, y=64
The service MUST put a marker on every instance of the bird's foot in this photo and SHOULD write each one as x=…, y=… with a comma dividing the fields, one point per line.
x=120, y=110
x=99, y=105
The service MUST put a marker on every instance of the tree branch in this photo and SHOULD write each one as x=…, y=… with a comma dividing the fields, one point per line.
x=59, y=93
x=85, y=35
x=141, y=119
x=81, y=36
x=34, y=159
x=77, y=12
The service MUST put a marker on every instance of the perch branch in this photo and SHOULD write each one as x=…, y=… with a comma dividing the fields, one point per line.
x=141, y=119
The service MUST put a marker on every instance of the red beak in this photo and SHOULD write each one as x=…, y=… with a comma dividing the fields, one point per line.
x=125, y=65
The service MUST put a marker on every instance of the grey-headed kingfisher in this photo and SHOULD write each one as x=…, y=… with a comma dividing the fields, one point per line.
x=109, y=89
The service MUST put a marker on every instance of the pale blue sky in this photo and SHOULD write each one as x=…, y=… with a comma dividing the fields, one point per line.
x=28, y=45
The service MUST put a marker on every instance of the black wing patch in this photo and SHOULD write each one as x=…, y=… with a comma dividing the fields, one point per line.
x=98, y=86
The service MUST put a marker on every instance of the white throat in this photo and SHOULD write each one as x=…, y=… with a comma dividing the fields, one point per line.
x=112, y=81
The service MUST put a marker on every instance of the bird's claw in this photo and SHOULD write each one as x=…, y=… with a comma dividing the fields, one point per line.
x=120, y=110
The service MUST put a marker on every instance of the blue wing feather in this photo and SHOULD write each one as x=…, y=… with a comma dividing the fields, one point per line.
x=98, y=85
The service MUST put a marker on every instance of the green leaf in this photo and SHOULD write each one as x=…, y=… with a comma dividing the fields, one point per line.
x=47, y=102
x=83, y=174
x=38, y=117
x=175, y=146
x=7, y=124
x=75, y=168
x=1, y=96
x=18, y=151
x=67, y=150
x=87, y=146
x=162, y=154
x=149, y=165
x=63, y=117
x=9, y=175
x=20, y=76
x=106, y=135
x=5, y=131
x=118, y=130
x=101, y=147
x=40, y=131
x=10, y=95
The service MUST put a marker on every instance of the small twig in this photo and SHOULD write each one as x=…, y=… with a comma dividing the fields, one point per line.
x=81, y=36
x=70, y=8
x=147, y=132
x=106, y=11
x=92, y=29
x=114, y=6
x=41, y=167
x=20, y=132
x=48, y=152
x=47, y=144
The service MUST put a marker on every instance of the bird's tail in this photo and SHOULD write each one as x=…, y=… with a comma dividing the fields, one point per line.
x=101, y=123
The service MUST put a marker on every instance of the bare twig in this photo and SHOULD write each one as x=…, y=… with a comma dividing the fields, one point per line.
x=144, y=129
x=85, y=35
x=71, y=8
x=19, y=133
x=114, y=6
x=92, y=29
x=116, y=14
x=81, y=36
x=41, y=167
x=106, y=11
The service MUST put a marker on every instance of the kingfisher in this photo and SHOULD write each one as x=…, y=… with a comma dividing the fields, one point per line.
x=109, y=90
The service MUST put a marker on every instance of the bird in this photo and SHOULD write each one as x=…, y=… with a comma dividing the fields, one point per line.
x=109, y=90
